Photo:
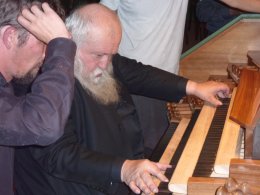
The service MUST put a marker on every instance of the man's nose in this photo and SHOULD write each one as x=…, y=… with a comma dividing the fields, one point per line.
x=104, y=62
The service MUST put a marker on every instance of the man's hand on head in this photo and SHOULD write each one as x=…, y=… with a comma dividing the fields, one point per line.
x=43, y=23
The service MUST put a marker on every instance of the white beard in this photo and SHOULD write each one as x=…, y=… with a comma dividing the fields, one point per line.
x=100, y=84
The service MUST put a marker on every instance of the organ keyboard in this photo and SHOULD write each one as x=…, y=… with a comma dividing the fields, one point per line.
x=229, y=146
x=194, y=146
x=201, y=150
x=233, y=47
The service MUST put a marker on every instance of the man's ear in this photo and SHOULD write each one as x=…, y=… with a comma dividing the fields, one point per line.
x=9, y=36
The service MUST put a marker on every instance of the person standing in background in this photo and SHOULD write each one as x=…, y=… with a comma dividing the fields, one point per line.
x=152, y=34
x=215, y=14
x=218, y=13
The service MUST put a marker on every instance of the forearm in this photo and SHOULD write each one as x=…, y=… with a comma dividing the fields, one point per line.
x=85, y=166
x=149, y=81
x=245, y=5
x=40, y=116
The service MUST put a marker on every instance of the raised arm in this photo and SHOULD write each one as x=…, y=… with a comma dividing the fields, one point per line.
x=43, y=23
x=39, y=117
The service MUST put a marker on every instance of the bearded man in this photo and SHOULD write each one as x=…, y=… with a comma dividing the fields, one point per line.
x=101, y=151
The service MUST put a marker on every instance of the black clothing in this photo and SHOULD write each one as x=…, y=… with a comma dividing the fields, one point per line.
x=88, y=158
x=26, y=119
x=153, y=116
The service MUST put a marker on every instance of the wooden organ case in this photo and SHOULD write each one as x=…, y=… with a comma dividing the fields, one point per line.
x=208, y=145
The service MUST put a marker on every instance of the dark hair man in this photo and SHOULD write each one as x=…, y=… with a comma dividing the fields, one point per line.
x=37, y=117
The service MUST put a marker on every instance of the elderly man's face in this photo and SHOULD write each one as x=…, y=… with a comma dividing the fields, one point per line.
x=93, y=67
x=28, y=57
x=97, y=53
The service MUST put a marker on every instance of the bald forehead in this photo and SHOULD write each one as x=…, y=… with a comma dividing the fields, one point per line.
x=97, y=12
x=101, y=21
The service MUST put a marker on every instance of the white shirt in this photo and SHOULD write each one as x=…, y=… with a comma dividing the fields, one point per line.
x=152, y=30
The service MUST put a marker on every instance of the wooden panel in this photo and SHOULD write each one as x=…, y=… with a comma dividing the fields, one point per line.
x=247, y=99
x=249, y=143
x=254, y=58
x=230, y=139
x=191, y=152
x=204, y=186
x=229, y=45
x=172, y=145
x=246, y=171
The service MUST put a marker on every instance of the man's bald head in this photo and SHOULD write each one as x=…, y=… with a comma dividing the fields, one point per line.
x=97, y=12
x=90, y=21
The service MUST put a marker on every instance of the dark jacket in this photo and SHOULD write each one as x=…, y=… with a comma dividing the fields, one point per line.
x=87, y=159
x=38, y=117
x=214, y=13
